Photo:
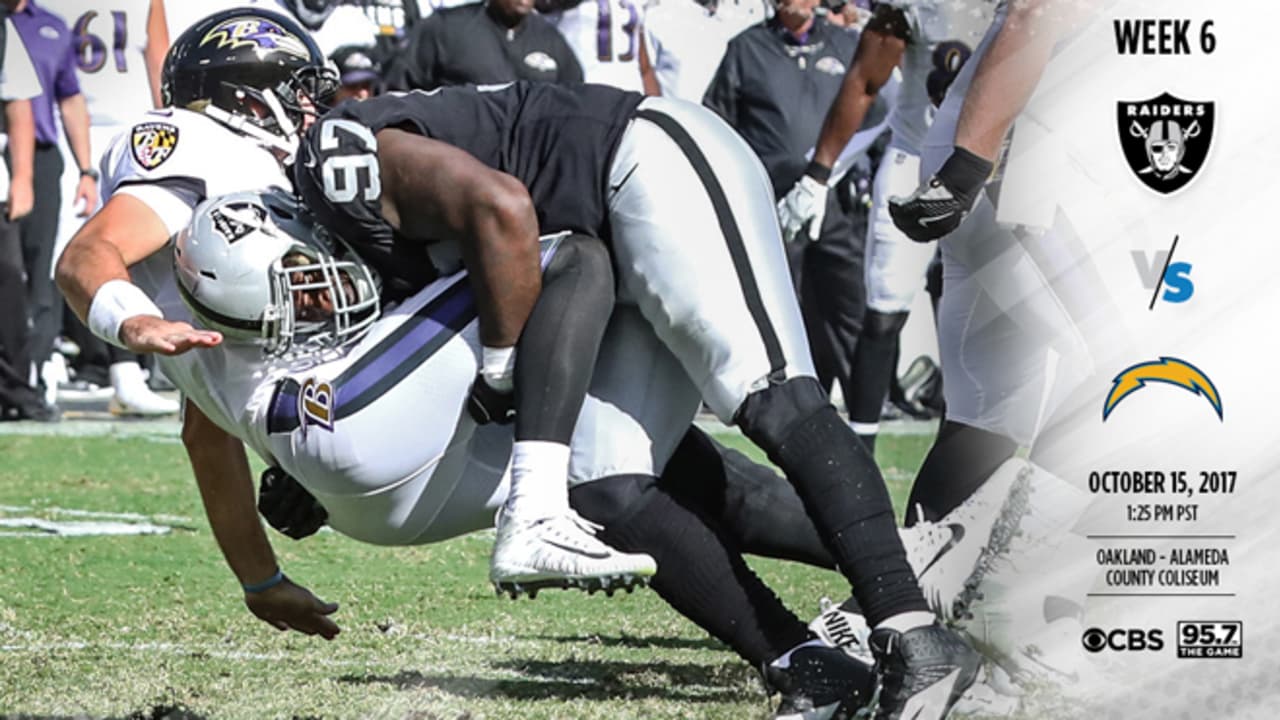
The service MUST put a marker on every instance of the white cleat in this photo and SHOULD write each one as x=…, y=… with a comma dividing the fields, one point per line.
x=952, y=556
x=133, y=397
x=561, y=551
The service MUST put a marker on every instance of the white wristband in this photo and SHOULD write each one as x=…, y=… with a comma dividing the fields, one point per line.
x=498, y=365
x=115, y=302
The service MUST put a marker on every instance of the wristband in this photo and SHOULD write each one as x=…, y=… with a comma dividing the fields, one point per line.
x=115, y=302
x=498, y=366
x=964, y=173
x=265, y=585
x=818, y=171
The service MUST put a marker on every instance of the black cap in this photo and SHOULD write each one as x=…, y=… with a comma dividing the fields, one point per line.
x=356, y=65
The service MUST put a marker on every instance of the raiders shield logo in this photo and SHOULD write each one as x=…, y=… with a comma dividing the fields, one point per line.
x=153, y=143
x=235, y=221
x=1165, y=139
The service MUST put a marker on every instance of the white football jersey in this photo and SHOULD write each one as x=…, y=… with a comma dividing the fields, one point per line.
x=687, y=42
x=605, y=36
x=111, y=42
x=944, y=33
x=172, y=160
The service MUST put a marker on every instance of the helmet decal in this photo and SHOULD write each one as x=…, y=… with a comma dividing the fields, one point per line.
x=261, y=32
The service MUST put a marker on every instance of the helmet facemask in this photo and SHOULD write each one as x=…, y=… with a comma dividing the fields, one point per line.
x=318, y=302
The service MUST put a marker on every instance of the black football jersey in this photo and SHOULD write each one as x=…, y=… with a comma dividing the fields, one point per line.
x=557, y=140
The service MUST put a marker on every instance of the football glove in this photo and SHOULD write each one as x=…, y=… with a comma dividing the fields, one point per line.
x=287, y=506
x=938, y=207
x=488, y=405
x=801, y=210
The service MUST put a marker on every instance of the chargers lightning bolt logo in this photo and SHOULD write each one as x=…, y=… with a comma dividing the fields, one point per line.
x=1166, y=370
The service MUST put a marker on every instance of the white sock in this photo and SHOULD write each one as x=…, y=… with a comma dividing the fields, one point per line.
x=539, y=475
x=907, y=621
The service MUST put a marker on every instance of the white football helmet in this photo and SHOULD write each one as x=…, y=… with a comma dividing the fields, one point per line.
x=254, y=267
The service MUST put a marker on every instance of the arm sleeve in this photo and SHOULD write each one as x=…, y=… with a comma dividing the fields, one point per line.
x=19, y=81
x=173, y=204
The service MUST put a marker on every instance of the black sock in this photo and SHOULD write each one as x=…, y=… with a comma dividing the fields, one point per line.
x=561, y=339
x=842, y=491
x=701, y=574
x=874, y=366
x=961, y=459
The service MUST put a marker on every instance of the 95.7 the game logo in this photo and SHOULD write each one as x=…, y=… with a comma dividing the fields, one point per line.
x=1204, y=639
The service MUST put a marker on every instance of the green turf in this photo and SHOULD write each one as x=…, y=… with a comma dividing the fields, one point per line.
x=118, y=626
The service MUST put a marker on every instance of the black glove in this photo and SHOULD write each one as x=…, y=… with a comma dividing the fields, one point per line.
x=487, y=405
x=287, y=506
x=938, y=207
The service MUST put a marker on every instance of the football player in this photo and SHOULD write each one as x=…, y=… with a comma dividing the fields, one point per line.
x=605, y=35
x=1012, y=353
x=931, y=41
x=369, y=414
x=233, y=83
x=686, y=210
x=1005, y=77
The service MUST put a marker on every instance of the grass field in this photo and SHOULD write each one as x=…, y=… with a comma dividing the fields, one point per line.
x=153, y=626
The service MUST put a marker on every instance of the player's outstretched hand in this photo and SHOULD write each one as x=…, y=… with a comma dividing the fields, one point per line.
x=292, y=607
x=801, y=210
x=287, y=506
x=148, y=334
x=938, y=207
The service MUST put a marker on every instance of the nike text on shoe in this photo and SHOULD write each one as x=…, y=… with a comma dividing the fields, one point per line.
x=843, y=629
x=561, y=551
x=923, y=672
x=819, y=683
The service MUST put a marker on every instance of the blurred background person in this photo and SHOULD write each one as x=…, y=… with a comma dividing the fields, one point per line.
x=52, y=48
x=684, y=41
x=774, y=84
x=605, y=36
x=490, y=42
x=120, y=46
x=358, y=71
x=19, y=399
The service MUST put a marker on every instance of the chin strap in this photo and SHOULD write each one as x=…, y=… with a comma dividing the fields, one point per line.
x=286, y=142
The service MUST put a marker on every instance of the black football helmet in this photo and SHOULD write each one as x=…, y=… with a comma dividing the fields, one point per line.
x=256, y=71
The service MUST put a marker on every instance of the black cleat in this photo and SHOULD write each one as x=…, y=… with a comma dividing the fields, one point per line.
x=819, y=683
x=923, y=672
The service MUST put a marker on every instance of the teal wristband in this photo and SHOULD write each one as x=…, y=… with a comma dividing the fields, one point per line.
x=265, y=585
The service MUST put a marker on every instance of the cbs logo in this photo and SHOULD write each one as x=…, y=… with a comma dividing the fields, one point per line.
x=1096, y=640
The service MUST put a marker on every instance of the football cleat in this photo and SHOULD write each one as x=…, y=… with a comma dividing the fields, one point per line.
x=843, y=628
x=561, y=551
x=819, y=682
x=952, y=556
x=923, y=672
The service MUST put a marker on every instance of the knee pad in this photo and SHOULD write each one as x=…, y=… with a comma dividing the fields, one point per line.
x=882, y=324
x=768, y=416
